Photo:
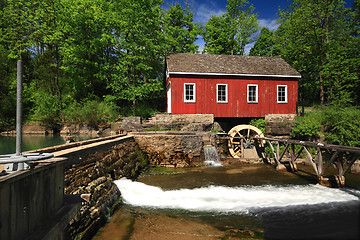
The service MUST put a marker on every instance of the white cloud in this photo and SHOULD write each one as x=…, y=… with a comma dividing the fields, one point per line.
x=271, y=24
x=203, y=12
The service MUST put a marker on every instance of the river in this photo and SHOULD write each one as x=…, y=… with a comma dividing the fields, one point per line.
x=239, y=201
x=35, y=141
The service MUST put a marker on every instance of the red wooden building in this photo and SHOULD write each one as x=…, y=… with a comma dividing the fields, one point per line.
x=230, y=86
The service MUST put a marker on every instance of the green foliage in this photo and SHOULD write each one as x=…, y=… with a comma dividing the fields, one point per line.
x=308, y=127
x=92, y=113
x=230, y=32
x=158, y=170
x=180, y=31
x=265, y=45
x=342, y=126
x=339, y=125
x=142, y=109
x=320, y=40
x=259, y=123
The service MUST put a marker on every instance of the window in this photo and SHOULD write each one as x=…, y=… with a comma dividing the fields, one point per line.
x=252, y=93
x=189, y=92
x=221, y=93
x=282, y=94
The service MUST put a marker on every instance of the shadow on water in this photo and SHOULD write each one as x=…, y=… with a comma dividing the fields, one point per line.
x=336, y=220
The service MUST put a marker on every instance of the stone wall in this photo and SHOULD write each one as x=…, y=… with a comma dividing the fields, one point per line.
x=183, y=122
x=279, y=124
x=172, y=149
x=92, y=180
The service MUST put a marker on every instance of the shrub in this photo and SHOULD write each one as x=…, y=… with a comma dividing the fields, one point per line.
x=307, y=127
x=342, y=126
x=259, y=123
x=91, y=112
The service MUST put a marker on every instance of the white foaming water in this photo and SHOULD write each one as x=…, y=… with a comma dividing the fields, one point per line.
x=229, y=199
x=211, y=156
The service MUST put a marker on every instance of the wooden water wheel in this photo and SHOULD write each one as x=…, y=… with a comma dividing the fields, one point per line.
x=240, y=144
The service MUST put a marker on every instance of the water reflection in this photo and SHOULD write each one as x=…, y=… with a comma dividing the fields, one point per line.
x=36, y=141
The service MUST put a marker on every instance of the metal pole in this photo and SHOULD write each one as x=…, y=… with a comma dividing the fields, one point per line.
x=19, y=112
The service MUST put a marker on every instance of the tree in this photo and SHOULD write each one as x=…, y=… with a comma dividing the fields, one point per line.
x=180, y=30
x=265, y=45
x=139, y=50
x=229, y=33
x=315, y=38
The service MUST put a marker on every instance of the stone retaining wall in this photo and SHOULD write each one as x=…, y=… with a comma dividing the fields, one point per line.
x=183, y=122
x=279, y=124
x=92, y=181
x=172, y=149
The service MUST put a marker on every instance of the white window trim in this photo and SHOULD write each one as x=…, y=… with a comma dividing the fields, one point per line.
x=277, y=94
x=217, y=93
x=189, y=101
x=257, y=93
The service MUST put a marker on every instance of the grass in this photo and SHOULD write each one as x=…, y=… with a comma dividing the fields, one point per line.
x=158, y=170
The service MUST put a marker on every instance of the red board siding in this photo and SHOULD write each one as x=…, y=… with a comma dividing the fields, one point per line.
x=237, y=105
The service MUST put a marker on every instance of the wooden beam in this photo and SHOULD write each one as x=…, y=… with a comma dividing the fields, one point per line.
x=351, y=163
x=283, y=153
x=311, y=160
x=329, y=162
x=320, y=161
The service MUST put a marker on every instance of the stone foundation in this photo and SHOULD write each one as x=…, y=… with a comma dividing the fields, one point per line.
x=279, y=124
x=172, y=149
x=181, y=122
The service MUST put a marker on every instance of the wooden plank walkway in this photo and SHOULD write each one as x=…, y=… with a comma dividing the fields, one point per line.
x=81, y=147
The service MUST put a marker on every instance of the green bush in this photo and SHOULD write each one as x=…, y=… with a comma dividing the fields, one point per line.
x=259, y=123
x=307, y=127
x=342, y=126
x=91, y=112
x=339, y=125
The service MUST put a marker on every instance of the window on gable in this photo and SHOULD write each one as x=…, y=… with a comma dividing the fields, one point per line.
x=252, y=93
x=221, y=93
x=282, y=93
x=189, y=92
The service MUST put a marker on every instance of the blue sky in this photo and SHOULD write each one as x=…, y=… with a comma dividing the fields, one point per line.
x=267, y=11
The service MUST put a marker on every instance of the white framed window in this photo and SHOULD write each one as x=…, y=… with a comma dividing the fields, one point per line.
x=189, y=92
x=281, y=93
x=221, y=93
x=252, y=93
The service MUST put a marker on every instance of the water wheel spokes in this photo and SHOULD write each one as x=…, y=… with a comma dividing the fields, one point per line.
x=240, y=139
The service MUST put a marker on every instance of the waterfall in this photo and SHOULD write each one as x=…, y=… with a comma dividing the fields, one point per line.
x=242, y=199
x=211, y=156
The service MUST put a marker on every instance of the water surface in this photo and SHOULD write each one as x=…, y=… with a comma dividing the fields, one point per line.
x=35, y=141
x=240, y=201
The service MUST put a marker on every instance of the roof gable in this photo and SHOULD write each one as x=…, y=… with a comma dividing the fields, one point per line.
x=210, y=64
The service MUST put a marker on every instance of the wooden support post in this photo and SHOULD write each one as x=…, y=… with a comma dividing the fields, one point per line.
x=273, y=150
x=242, y=147
x=329, y=162
x=319, y=162
x=340, y=166
x=311, y=161
x=283, y=153
x=292, y=158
